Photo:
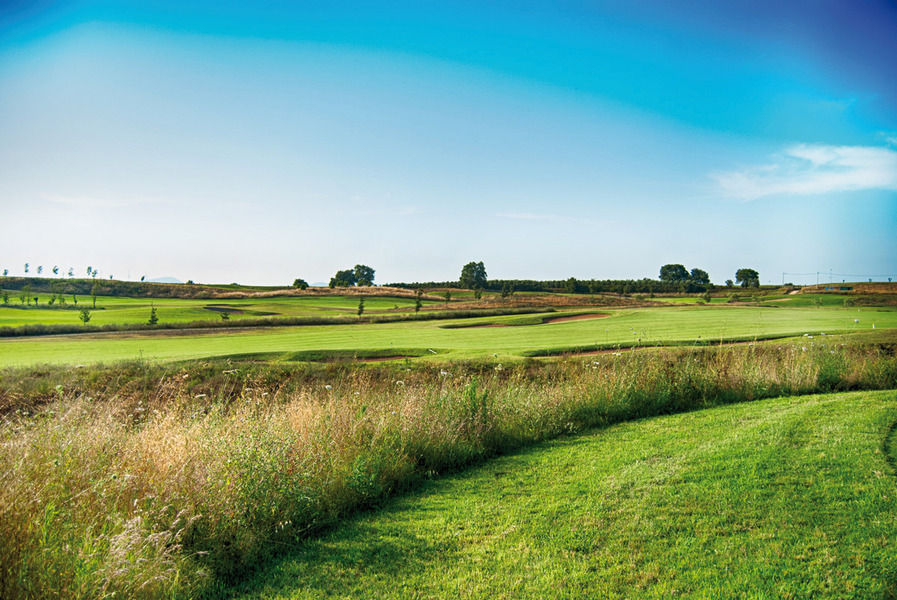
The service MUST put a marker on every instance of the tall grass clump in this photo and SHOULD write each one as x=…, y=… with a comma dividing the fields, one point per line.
x=145, y=481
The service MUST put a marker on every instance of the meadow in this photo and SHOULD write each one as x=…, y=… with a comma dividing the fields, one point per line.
x=792, y=497
x=182, y=463
x=147, y=480
x=502, y=338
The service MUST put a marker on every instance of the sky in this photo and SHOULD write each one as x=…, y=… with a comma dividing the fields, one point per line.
x=260, y=142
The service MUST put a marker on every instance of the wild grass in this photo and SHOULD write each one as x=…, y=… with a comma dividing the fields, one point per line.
x=788, y=497
x=143, y=485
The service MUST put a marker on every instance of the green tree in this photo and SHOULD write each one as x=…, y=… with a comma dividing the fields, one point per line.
x=94, y=292
x=570, y=285
x=699, y=276
x=5, y=297
x=344, y=278
x=478, y=293
x=729, y=283
x=154, y=319
x=26, y=268
x=360, y=306
x=417, y=301
x=5, y=272
x=225, y=316
x=473, y=276
x=71, y=272
x=40, y=269
x=364, y=275
x=55, y=271
x=747, y=278
x=507, y=289
x=448, y=297
x=300, y=284
x=673, y=273
x=84, y=315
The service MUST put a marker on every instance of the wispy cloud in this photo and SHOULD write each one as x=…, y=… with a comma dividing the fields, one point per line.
x=813, y=169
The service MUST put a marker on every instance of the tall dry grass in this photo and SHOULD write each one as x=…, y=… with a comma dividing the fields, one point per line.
x=171, y=493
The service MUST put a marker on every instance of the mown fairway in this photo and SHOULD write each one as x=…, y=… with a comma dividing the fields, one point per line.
x=642, y=327
x=122, y=310
x=785, y=498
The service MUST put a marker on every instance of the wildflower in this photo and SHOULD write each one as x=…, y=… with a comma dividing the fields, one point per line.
x=328, y=387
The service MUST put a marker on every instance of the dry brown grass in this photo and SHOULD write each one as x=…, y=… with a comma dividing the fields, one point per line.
x=166, y=491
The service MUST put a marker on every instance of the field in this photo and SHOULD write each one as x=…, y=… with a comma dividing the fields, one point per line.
x=494, y=337
x=204, y=463
x=758, y=500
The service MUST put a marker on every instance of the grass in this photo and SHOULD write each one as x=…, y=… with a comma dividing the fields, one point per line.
x=133, y=482
x=636, y=327
x=123, y=310
x=785, y=498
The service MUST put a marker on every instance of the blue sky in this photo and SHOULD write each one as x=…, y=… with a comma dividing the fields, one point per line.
x=260, y=142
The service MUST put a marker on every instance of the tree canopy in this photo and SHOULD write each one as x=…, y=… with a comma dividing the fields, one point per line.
x=747, y=278
x=699, y=276
x=673, y=273
x=364, y=275
x=345, y=278
x=473, y=276
x=360, y=275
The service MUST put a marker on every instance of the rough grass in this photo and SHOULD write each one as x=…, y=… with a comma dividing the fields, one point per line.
x=153, y=488
x=785, y=498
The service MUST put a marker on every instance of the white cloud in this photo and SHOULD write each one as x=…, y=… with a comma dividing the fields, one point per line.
x=814, y=169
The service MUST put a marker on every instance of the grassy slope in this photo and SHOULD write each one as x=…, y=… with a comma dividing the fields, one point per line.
x=645, y=326
x=137, y=310
x=786, y=498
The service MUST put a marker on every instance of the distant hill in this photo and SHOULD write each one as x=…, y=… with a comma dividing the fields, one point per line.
x=164, y=280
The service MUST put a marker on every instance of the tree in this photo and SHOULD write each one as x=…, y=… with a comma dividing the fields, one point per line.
x=729, y=283
x=473, y=276
x=26, y=268
x=448, y=297
x=84, y=315
x=55, y=271
x=94, y=292
x=570, y=285
x=343, y=279
x=747, y=278
x=300, y=284
x=364, y=275
x=142, y=277
x=71, y=272
x=153, y=320
x=417, y=301
x=40, y=269
x=360, y=306
x=699, y=276
x=673, y=274
x=5, y=272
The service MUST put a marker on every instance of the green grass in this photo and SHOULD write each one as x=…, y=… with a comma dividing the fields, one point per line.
x=640, y=327
x=152, y=480
x=784, y=498
x=122, y=310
